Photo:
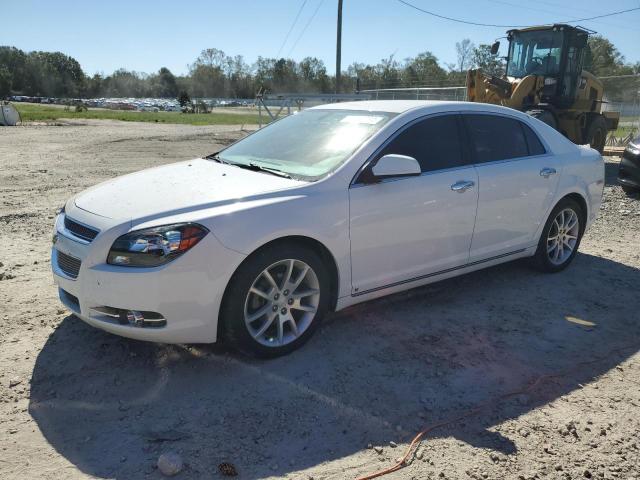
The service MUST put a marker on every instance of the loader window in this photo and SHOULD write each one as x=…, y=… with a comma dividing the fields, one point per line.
x=572, y=72
x=534, y=53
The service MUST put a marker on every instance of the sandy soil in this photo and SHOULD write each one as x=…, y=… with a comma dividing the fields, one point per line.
x=79, y=403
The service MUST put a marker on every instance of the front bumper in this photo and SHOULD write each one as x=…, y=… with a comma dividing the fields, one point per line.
x=187, y=292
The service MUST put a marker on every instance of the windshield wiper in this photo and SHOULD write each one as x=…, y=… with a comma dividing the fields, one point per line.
x=216, y=158
x=254, y=167
x=259, y=168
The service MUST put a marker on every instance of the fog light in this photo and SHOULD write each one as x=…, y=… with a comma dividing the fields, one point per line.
x=135, y=318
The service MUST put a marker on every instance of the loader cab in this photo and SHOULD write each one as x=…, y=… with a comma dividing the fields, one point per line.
x=555, y=53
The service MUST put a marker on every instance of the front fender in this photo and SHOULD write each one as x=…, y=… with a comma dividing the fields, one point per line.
x=322, y=216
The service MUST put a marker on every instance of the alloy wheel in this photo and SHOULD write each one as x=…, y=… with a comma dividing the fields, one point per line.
x=563, y=236
x=282, y=302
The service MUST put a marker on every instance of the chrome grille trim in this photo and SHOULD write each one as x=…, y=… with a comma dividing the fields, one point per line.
x=68, y=264
x=79, y=230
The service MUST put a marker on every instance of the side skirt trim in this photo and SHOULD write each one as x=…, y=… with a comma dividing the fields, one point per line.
x=428, y=275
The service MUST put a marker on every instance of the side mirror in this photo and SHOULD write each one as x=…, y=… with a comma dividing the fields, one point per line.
x=495, y=47
x=396, y=166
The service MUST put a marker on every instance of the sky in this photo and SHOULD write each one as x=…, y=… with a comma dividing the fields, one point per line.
x=144, y=35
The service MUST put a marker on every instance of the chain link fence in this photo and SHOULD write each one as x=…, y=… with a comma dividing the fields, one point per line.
x=622, y=94
x=458, y=93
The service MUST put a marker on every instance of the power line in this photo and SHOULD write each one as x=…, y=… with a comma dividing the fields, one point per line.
x=556, y=13
x=457, y=20
x=305, y=27
x=295, y=20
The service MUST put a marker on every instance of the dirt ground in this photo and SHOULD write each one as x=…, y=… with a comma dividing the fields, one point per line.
x=76, y=402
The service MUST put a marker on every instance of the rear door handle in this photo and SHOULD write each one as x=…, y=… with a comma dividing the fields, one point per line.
x=462, y=186
x=547, y=172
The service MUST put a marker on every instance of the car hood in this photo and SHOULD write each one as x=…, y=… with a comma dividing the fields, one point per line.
x=180, y=186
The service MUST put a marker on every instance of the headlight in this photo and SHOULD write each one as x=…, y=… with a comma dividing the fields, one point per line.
x=550, y=81
x=633, y=148
x=155, y=246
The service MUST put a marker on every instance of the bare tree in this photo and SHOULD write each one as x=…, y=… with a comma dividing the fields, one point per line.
x=464, y=51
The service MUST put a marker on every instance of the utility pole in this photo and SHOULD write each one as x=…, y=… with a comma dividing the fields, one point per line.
x=339, y=47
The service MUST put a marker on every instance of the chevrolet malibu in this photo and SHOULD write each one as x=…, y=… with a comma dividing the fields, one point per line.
x=323, y=209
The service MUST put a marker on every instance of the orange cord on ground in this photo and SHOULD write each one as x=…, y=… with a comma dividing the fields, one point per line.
x=470, y=413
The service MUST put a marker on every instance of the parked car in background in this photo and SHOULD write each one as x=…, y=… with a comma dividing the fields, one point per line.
x=321, y=210
x=629, y=170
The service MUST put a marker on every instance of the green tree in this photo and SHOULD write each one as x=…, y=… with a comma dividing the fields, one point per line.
x=5, y=81
x=14, y=61
x=488, y=63
x=184, y=99
x=424, y=69
x=93, y=86
x=207, y=74
x=54, y=74
x=603, y=58
x=168, y=86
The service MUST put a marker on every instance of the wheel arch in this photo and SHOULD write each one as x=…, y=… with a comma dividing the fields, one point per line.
x=311, y=243
x=574, y=195
x=580, y=200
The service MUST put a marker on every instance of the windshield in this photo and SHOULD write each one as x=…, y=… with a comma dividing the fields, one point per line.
x=534, y=53
x=307, y=145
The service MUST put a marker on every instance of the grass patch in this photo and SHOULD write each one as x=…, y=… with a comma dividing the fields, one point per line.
x=623, y=131
x=627, y=125
x=39, y=113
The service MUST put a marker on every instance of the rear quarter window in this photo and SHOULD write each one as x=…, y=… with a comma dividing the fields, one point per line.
x=533, y=142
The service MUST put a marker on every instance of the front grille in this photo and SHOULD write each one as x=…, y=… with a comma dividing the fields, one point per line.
x=69, y=265
x=80, y=231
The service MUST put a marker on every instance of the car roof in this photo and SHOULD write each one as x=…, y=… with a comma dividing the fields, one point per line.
x=402, y=106
x=389, y=106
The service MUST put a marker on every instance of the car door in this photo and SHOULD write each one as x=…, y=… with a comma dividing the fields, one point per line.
x=517, y=180
x=406, y=228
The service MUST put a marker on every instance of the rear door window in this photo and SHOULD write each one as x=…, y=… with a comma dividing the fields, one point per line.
x=496, y=138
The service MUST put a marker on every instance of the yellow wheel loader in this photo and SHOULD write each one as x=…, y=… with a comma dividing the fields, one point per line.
x=544, y=78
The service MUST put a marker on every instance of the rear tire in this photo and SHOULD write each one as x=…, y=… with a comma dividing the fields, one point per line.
x=275, y=300
x=597, y=133
x=560, y=237
x=630, y=191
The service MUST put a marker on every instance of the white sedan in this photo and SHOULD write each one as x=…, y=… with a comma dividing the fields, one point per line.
x=332, y=206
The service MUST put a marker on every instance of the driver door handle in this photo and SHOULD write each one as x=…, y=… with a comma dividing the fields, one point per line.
x=462, y=186
x=547, y=172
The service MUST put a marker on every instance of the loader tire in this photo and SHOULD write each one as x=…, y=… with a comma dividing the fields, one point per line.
x=544, y=116
x=597, y=133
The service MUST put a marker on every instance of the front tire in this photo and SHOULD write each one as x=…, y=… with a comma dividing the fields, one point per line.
x=275, y=300
x=560, y=237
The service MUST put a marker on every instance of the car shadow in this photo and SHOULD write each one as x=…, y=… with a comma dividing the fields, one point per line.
x=374, y=373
